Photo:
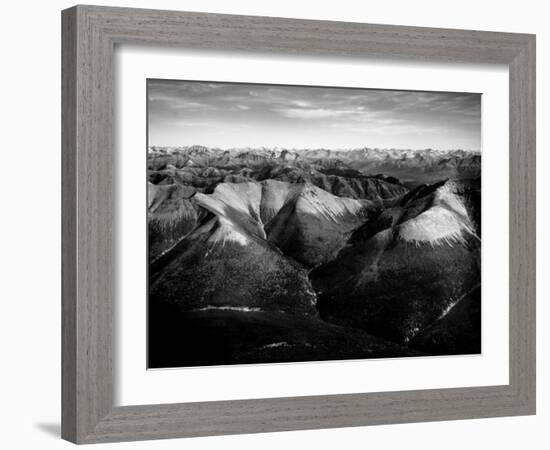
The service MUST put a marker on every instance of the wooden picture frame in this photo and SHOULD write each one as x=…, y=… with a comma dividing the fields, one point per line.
x=90, y=34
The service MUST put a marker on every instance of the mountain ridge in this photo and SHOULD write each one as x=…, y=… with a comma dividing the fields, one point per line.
x=384, y=244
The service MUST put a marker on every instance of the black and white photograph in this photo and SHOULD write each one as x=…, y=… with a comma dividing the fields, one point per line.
x=275, y=225
x=304, y=223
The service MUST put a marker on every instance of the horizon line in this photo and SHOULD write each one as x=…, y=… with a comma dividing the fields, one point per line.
x=340, y=149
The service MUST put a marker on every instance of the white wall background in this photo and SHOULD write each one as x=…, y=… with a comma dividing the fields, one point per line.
x=31, y=209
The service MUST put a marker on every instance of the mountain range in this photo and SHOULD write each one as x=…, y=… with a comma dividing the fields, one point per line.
x=409, y=166
x=269, y=255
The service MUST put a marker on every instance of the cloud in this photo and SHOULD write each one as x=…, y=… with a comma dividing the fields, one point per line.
x=304, y=113
x=301, y=103
x=357, y=113
x=317, y=113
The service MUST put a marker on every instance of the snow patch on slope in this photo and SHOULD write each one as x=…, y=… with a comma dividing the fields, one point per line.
x=243, y=197
x=252, y=205
x=225, y=232
x=277, y=344
x=318, y=202
x=445, y=222
x=435, y=226
x=229, y=308
x=238, y=203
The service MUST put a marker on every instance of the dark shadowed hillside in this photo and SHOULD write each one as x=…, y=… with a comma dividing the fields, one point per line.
x=404, y=270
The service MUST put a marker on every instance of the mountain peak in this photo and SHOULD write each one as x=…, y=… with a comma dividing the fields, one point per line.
x=445, y=222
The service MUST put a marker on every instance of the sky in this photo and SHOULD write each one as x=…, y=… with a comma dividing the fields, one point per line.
x=229, y=115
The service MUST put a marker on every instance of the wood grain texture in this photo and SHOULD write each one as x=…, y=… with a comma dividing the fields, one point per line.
x=68, y=224
x=523, y=224
x=88, y=264
x=89, y=36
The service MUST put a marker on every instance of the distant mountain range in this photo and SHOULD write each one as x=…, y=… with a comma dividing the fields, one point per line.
x=410, y=166
x=275, y=255
x=292, y=154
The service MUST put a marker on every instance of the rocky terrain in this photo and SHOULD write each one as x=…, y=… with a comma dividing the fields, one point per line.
x=270, y=255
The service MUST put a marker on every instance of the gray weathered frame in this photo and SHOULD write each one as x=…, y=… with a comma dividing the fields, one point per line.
x=89, y=36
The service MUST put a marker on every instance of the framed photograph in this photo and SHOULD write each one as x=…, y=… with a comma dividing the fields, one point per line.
x=278, y=224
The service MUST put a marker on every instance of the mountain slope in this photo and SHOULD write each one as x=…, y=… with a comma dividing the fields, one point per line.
x=217, y=336
x=314, y=225
x=457, y=331
x=171, y=215
x=304, y=222
x=239, y=203
x=400, y=272
x=220, y=265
